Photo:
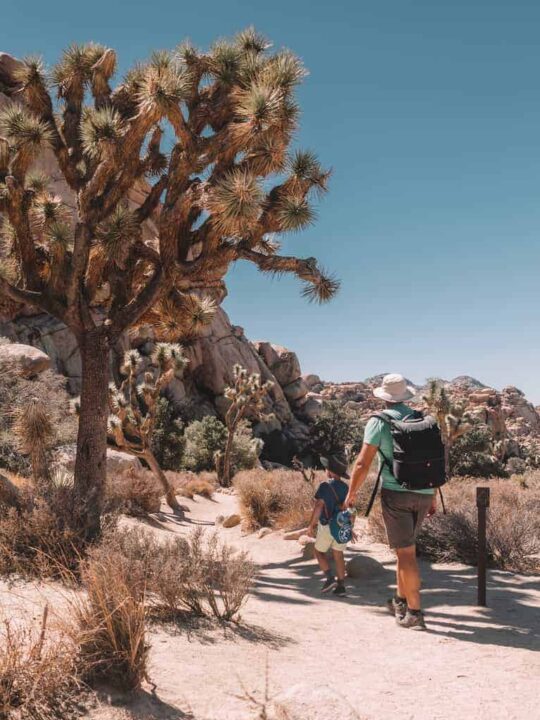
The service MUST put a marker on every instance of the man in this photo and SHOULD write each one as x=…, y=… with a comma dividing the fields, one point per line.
x=403, y=510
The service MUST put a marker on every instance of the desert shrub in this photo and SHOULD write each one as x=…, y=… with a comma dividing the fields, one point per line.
x=472, y=455
x=133, y=492
x=277, y=498
x=11, y=458
x=336, y=429
x=38, y=676
x=188, y=485
x=108, y=621
x=203, y=438
x=513, y=530
x=168, y=437
x=246, y=448
x=516, y=466
x=197, y=575
x=38, y=540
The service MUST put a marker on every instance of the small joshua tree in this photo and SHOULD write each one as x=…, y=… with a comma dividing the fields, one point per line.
x=35, y=435
x=145, y=231
x=246, y=397
x=134, y=407
x=452, y=419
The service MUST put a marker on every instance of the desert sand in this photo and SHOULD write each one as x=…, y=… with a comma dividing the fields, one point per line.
x=316, y=657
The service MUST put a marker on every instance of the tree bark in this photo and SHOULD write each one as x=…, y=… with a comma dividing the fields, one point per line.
x=91, y=461
x=170, y=497
x=225, y=479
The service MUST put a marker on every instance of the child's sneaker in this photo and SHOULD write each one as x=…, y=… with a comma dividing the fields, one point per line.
x=329, y=583
x=340, y=589
x=397, y=606
x=413, y=619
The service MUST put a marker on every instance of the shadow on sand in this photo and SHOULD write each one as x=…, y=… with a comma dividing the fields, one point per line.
x=511, y=620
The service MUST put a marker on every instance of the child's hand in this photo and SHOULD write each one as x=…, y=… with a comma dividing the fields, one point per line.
x=311, y=531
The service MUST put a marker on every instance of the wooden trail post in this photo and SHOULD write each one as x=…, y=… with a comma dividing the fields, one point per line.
x=482, y=504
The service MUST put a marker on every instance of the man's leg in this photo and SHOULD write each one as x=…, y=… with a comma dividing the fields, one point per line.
x=408, y=576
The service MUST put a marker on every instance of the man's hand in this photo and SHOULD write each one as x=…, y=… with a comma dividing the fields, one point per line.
x=433, y=507
x=349, y=500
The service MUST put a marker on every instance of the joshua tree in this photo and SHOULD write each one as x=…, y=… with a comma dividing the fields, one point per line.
x=246, y=397
x=451, y=417
x=117, y=257
x=134, y=407
x=35, y=434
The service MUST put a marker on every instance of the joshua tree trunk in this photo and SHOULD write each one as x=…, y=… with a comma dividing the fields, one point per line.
x=225, y=464
x=170, y=497
x=91, y=462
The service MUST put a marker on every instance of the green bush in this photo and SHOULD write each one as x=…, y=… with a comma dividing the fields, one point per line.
x=337, y=428
x=168, y=439
x=472, y=455
x=203, y=438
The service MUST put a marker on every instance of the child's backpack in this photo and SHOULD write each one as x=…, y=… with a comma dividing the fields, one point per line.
x=418, y=453
x=340, y=521
x=341, y=526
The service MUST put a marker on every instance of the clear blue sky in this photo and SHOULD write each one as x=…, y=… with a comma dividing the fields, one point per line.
x=429, y=113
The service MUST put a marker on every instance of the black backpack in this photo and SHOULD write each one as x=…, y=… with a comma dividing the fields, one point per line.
x=418, y=453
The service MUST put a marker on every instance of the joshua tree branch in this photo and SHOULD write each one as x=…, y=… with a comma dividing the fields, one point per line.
x=138, y=305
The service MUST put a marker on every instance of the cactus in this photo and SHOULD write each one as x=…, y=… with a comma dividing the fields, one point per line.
x=134, y=405
x=246, y=399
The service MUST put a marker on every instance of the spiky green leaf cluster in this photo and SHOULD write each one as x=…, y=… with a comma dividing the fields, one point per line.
x=24, y=130
x=99, y=127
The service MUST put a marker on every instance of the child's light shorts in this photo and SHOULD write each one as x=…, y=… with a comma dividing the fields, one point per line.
x=325, y=540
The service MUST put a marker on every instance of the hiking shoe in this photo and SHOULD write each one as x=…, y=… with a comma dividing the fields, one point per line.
x=340, y=590
x=328, y=584
x=412, y=620
x=397, y=607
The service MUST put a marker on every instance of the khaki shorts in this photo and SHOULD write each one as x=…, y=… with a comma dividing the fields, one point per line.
x=403, y=514
x=325, y=540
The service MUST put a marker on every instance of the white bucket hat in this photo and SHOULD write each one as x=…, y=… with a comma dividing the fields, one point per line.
x=394, y=389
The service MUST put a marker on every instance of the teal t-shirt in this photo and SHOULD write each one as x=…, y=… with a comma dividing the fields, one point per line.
x=378, y=433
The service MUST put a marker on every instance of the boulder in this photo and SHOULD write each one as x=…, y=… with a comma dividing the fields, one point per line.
x=296, y=390
x=308, y=550
x=311, y=380
x=117, y=461
x=311, y=409
x=264, y=531
x=283, y=363
x=231, y=521
x=25, y=360
x=363, y=567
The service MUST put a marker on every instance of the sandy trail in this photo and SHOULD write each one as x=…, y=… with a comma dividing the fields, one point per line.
x=346, y=658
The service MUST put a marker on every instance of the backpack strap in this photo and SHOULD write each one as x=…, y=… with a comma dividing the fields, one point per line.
x=339, y=505
x=388, y=420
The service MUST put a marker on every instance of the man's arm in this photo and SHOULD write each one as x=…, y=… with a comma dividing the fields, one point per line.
x=360, y=471
x=315, y=515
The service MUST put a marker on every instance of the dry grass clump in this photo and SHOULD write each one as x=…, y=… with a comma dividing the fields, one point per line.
x=198, y=575
x=38, y=676
x=133, y=492
x=108, y=622
x=513, y=530
x=276, y=498
x=37, y=540
x=188, y=484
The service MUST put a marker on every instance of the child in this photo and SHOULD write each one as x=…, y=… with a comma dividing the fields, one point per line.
x=330, y=497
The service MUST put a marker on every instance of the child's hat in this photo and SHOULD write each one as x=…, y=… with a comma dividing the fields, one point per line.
x=337, y=464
